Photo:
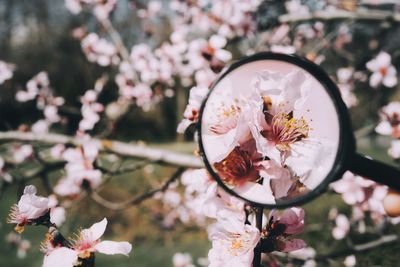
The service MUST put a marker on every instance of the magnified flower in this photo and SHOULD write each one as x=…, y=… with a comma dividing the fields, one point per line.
x=88, y=241
x=383, y=72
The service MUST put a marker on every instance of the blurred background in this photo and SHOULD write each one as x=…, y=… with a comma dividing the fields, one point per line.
x=40, y=35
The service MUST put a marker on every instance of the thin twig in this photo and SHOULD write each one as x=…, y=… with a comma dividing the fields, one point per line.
x=138, y=199
x=366, y=15
x=355, y=249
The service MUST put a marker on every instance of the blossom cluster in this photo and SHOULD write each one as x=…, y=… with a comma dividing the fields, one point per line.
x=37, y=210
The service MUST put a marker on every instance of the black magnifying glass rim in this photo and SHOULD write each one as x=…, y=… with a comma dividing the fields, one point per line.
x=346, y=146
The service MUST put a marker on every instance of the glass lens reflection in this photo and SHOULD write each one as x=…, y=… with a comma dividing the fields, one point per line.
x=270, y=131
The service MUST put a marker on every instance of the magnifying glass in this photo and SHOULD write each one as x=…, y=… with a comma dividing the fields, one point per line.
x=274, y=131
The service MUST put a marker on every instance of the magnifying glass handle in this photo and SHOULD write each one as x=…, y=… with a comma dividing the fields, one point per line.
x=376, y=171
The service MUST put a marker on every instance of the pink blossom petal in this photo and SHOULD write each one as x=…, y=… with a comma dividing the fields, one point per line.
x=61, y=257
x=97, y=230
x=293, y=244
x=111, y=247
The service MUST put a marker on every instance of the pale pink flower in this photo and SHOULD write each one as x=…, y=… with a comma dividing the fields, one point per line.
x=61, y=257
x=102, y=9
x=342, y=227
x=344, y=76
x=304, y=253
x=390, y=120
x=79, y=169
x=383, y=72
x=22, y=245
x=182, y=260
x=99, y=50
x=88, y=241
x=22, y=152
x=296, y=7
x=293, y=219
x=352, y=188
x=39, y=84
x=350, y=261
x=394, y=150
x=292, y=244
x=191, y=113
x=40, y=127
x=223, y=206
x=232, y=244
x=3, y=174
x=6, y=71
x=29, y=207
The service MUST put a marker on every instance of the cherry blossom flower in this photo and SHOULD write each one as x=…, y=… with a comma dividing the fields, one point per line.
x=344, y=76
x=342, y=227
x=101, y=9
x=292, y=218
x=22, y=245
x=99, y=50
x=352, y=188
x=191, y=114
x=62, y=257
x=295, y=7
x=4, y=175
x=383, y=71
x=88, y=241
x=232, y=244
x=350, y=261
x=6, y=71
x=390, y=120
x=277, y=235
x=80, y=171
x=29, y=208
x=182, y=260
x=394, y=150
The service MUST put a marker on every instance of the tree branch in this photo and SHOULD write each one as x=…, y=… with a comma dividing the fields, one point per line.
x=367, y=15
x=138, y=199
x=355, y=249
x=161, y=156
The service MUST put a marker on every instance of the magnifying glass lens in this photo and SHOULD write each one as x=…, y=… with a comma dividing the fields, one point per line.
x=269, y=132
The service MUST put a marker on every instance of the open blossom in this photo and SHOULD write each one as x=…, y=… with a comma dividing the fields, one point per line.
x=232, y=244
x=6, y=71
x=80, y=171
x=182, y=260
x=277, y=235
x=101, y=9
x=292, y=219
x=394, y=150
x=99, y=50
x=61, y=257
x=352, y=188
x=342, y=227
x=191, y=113
x=213, y=52
x=344, y=76
x=21, y=244
x=29, y=207
x=390, y=120
x=383, y=72
x=88, y=241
